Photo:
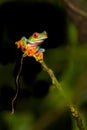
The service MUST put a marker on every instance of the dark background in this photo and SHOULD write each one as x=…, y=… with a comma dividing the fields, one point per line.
x=22, y=19
x=34, y=101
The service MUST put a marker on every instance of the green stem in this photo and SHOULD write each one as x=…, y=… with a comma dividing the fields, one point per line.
x=72, y=108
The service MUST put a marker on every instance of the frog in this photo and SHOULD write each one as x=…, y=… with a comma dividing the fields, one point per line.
x=34, y=40
x=31, y=46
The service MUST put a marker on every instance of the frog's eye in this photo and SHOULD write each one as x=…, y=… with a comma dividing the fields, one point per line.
x=47, y=33
x=35, y=35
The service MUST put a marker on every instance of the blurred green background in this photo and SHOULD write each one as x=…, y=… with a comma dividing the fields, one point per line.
x=39, y=106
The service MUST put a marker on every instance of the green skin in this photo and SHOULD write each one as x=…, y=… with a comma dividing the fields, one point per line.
x=37, y=40
x=34, y=41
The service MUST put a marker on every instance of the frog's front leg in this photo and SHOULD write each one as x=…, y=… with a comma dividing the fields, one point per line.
x=24, y=40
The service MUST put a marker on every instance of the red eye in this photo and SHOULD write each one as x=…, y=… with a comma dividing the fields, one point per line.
x=35, y=35
x=47, y=33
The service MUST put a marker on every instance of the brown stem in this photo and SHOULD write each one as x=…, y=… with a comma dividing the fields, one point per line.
x=75, y=9
x=17, y=88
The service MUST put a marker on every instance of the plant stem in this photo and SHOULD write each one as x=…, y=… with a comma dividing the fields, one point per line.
x=76, y=116
x=75, y=9
x=17, y=86
x=72, y=108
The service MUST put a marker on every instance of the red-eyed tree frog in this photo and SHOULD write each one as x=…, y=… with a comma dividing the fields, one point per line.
x=34, y=40
x=30, y=47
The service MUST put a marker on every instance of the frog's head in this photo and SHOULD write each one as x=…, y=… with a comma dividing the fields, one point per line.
x=37, y=38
